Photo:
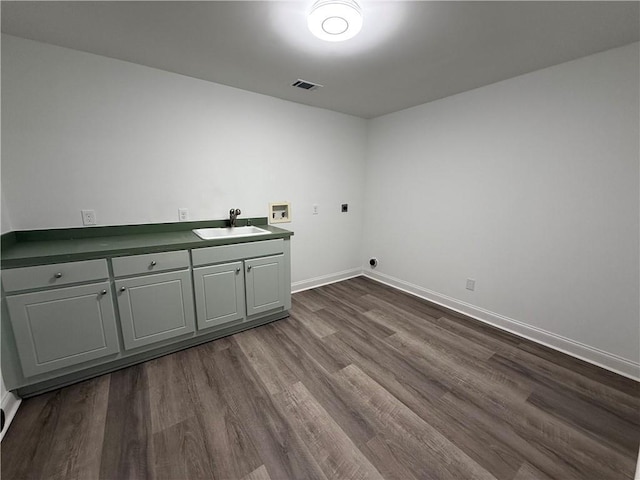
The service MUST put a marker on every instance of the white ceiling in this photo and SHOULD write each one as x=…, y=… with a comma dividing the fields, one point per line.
x=407, y=53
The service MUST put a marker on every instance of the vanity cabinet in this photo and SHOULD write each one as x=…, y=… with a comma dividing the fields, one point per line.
x=265, y=286
x=220, y=294
x=87, y=315
x=154, y=306
x=244, y=280
x=56, y=327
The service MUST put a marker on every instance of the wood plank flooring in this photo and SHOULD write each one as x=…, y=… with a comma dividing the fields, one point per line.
x=361, y=382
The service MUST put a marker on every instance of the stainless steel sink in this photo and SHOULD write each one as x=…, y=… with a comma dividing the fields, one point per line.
x=228, y=232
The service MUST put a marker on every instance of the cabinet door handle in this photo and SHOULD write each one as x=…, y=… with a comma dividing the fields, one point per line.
x=249, y=268
x=153, y=263
x=103, y=292
x=238, y=270
x=122, y=289
x=58, y=275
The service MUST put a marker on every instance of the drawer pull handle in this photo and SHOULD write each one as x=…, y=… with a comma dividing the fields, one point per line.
x=123, y=289
x=153, y=263
x=249, y=268
x=103, y=292
x=238, y=270
x=58, y=275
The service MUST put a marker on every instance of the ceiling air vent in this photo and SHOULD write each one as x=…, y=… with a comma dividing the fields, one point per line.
x=303, y=84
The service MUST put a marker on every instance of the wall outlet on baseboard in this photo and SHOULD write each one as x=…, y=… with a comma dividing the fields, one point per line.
x=88, y=217
x=471, y=284
x=183, y=214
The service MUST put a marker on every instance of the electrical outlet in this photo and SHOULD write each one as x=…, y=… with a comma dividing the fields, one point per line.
x=183, y=214
x=345, y=207
x=315, y=209
x=471, y=284
x=88, y=217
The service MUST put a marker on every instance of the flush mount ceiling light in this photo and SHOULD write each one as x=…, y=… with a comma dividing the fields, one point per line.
x=335, y=20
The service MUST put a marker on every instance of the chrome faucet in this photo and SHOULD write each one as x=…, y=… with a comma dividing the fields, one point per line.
x=233, y=216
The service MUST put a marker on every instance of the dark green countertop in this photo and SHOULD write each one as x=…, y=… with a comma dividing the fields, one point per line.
x=40, y=247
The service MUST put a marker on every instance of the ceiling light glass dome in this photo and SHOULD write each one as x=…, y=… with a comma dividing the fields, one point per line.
x=335, y=20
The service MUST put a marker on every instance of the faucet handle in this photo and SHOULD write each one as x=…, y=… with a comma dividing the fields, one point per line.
x=238, y=212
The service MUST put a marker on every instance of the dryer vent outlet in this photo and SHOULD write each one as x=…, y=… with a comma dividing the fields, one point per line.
x=373, y=262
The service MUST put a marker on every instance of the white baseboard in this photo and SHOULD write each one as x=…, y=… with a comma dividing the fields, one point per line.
x=579, y=350
x=325, y=280
x=10, y=404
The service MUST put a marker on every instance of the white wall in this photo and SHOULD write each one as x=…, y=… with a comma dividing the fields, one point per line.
x=81, y=131
x=530, y=187
x=5, y=220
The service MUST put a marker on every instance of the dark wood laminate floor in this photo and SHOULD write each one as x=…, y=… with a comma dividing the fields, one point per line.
x=361, y=382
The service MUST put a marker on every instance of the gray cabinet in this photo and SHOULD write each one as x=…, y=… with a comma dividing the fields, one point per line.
x=157, y=306
x=236, y=283
x=63, y=327
x=68, y=321
x=220, y=294
x=265, y=284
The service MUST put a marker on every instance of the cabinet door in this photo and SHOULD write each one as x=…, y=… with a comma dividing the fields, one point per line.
x=265, y=284
x=219, y=294
x=155, y=307
x=64, y=327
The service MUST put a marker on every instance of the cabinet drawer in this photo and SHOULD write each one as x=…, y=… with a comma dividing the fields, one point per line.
x=149, y=263
x=43, y=276
x=227, y=253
